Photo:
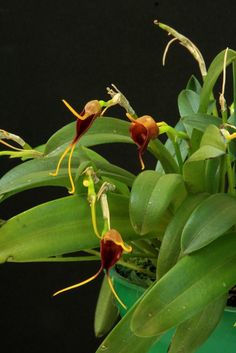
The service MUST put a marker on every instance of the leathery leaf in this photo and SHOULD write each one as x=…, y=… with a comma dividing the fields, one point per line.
x=217, y=215
x=151, y=195
x=59, y=227
x=107, y=312
x=194, y=282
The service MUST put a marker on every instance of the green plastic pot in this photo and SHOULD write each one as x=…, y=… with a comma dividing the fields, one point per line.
x=222, y=340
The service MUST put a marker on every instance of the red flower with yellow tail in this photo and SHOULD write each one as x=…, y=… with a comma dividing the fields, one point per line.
x=84, y=120
x=111, y=250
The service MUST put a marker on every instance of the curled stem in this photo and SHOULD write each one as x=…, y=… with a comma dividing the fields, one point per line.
x=187, y=43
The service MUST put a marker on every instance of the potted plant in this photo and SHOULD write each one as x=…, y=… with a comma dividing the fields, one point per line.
x=171, y=230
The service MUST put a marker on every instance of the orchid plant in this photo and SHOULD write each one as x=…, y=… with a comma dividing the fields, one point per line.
x=180, y=217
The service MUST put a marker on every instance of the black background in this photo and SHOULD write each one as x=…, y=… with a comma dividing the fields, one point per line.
x=51, y=50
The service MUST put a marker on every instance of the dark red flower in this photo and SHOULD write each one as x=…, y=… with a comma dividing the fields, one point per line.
x=142, y=130
x=111, y=249
x=84, y=120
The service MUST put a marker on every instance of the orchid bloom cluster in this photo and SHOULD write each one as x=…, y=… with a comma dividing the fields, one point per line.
x=142, y=129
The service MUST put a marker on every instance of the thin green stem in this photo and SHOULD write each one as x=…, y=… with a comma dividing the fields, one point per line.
x=161, y=153
x=224, y=115
x=222, y=172
x=178, y=156
x=58, y=259
x=230, y=174
x=222, y=100
x=234, y=88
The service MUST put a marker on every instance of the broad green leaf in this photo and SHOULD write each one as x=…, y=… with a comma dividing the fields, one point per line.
x=151, y=195
x=194, y=85
x=192, y=333
x=122, y=340
x=106, y=313
x=114, y=172
x=188, y=102
x=212, y=218
x=194, y=282
x=212, y=145
x=194, y=176
x=213, y=137
x=171, y=242
x=201, y=121
x=103, y=130
x=59, y=227
x=35, y=173
x=205, y=152
x=213, y=169
x=141, y=193
x=214, y=71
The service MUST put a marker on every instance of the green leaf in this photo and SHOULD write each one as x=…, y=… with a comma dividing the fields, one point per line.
x=59, y=227
x=188, y=102
x=194, y=176
x=194, y=171
x=194, y=282
x=114, y=172
x=212, y=145
x=194, y=85
x=213, y=172
x=192, y=333
x=171, y=242
x=205, y=152
x=213, y=137
x=216, y=215
x=106, y=313
x=201, y=121
x=103, y=130
x=122, y=340
x=36, y=173
x=214, y=71
x=151, y=195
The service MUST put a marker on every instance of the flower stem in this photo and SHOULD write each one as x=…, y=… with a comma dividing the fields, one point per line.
x=234, y=88
x=222, y=172
x=230, y=174
x=178, y=156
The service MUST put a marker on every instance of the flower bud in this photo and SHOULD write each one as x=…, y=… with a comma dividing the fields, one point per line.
x=92, y=108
